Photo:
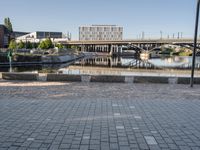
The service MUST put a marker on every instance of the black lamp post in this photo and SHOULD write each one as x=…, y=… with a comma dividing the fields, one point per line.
x=195, y=44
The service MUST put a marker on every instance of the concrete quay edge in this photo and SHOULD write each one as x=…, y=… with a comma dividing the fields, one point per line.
x=52, y=77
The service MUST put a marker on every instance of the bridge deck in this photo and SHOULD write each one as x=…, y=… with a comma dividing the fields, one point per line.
x=150, y=41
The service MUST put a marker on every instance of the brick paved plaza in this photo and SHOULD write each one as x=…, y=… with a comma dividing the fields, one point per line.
x=49, y=115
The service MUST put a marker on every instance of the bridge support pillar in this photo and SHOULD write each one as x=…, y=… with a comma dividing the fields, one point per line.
x=120, y=49
x=110, y=49
x=82, y=48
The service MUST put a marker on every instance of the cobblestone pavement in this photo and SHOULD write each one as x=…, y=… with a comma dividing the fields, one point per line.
x=49, y=115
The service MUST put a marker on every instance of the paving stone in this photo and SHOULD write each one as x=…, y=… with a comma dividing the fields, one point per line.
x=30, y=139
x=120, y=127
x=132, y=107
x=51, y=115
x=84, y=147
x=117, y=114
x=64, y=146
x=150, y=140
x=135, y=128
x=137, y=117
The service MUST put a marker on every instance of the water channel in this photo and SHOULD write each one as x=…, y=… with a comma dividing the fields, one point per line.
x=106, y=63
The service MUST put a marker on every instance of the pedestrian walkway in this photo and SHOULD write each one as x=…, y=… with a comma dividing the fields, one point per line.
x=58, y=115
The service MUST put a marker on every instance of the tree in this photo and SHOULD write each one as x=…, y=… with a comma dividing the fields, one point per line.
x=21, y=45
x=42, y=45
x=12, y=44
x=35, y=45
x=46, y=44
x=59, y=46
x=8, y=24
x=29, y=45
x=74, y=47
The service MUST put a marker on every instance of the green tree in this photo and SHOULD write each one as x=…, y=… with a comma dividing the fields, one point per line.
x=8, y=24
x=59, y=46
x=21, y=45
x=74, y=47
x=29, y=45
x=46, y=44
x=35, y=45
x=12, y=44
x=42, y=45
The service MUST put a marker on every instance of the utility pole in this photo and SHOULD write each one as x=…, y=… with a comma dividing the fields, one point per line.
x=70, y=36
x=195, y=43
x=161, y=34
x=143, y=35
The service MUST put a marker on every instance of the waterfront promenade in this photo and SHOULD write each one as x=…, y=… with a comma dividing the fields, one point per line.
x=106, y=116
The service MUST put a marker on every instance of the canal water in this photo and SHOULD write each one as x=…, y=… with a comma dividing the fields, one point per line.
x=156, y=63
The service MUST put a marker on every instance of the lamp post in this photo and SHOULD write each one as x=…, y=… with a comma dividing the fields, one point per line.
x=10, y=60
x=26, y=42
x=195, y=43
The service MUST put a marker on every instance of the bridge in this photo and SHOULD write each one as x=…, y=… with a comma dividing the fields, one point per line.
x=115, y=47
x=132, y=41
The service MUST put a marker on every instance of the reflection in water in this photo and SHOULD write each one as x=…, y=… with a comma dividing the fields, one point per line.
x=172, y=62
x=175, y=62
x=118, y=62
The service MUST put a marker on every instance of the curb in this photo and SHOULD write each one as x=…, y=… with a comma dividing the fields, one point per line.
x=21, y=76
x=97, y=78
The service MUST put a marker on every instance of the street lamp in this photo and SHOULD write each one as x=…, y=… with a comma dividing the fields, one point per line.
x=195, y=43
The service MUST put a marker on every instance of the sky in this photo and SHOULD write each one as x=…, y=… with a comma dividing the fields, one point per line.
x=136, y=16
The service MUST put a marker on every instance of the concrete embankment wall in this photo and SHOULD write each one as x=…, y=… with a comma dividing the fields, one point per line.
x=20, y=76
x=43, y=59
x=60, y=59
x=97, y=78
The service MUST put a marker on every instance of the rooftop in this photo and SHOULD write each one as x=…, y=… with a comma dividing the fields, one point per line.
x=99, y=25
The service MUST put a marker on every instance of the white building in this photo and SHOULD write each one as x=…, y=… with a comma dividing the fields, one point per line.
x=100, y=32
x=38, y=36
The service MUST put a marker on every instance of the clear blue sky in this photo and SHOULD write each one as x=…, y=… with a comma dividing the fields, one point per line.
x=136, y=16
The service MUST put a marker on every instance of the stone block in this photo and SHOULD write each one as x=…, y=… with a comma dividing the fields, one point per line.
x=150, y=79
x=107, y=78
x=186, y=80
x=85, y=78
x=64, y=77
x=172, y=80
x=20, y=76
x=129, y=79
